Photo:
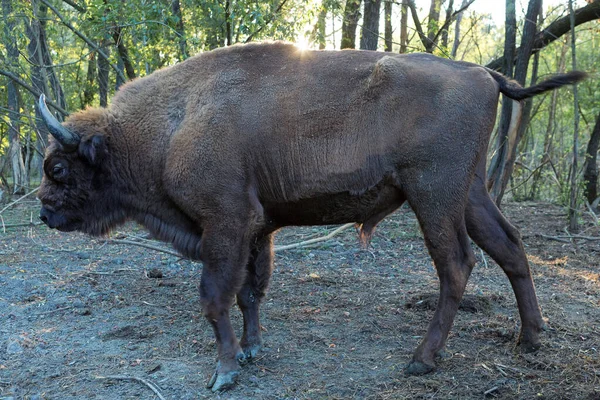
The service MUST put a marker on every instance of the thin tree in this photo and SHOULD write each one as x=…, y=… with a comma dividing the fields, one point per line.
x=496, y=169
x=404, y=26
x=88, y=91
x=449, y=9
x=350, y=23
x=123, y=53
x=573, y=221
x=434, y=32
x=387, y=6
x=103, y=69
x=590, y=170
x=510, y=135
x=433, y=20
x=12, y=54
x=369, y=36
x=50, y=72
x=456, y=42
x=179, y=28
x=550, y=127
x=36, y=34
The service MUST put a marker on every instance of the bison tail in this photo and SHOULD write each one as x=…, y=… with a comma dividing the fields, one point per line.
x=513, y=90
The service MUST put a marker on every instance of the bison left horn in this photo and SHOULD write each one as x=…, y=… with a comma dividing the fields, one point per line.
x=62, y=134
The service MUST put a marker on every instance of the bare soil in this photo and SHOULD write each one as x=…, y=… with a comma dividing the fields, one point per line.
x=339, y=322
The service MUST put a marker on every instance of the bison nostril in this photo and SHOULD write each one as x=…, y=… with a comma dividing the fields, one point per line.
x=44, y=219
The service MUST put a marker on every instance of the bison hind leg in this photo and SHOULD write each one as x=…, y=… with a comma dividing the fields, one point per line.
x=496, y=236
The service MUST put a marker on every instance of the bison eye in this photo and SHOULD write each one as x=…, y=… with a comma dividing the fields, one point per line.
x=58, y=170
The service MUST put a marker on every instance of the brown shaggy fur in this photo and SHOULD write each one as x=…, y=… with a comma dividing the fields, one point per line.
x=215, y=154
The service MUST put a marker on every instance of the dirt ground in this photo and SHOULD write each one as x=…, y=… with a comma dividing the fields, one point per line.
x=339, y=322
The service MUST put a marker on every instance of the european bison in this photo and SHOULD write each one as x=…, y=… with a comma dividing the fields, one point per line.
x=218, y=152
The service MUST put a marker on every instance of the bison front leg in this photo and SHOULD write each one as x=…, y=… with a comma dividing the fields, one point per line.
x=224, y=254
x=260, y=268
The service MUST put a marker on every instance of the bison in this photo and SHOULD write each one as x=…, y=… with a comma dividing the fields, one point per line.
x=217, y=153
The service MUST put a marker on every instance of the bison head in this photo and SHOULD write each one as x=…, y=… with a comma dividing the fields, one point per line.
x=77, y=190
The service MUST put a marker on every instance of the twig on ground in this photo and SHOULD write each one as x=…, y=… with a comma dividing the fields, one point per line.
x=55, y=310
x=110, y=272
x=564, y=238
x=19, y=199
x=490, y=391
x=315, y=240
x=558, y=239
x=4, y=226
x=146, y=382
x=147, y=246
x=30, y=236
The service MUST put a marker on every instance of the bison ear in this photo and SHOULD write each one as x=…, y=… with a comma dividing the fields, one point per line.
x=93, y=148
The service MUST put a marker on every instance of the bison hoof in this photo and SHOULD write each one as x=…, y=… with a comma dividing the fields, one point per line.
x=222, y=380
x=251, y=351
x=529, y=347
x=418, y=368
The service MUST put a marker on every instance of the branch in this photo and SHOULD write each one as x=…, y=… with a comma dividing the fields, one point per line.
x=267, y=22
x=147, y=246
x=33, y=91
x=418, y=26
x=85, y=39
x=19, y=199
x=316, y=240
x=76, y=6
x=564, y=238
x=146, y=382
x=555, y=30
x=449, y=20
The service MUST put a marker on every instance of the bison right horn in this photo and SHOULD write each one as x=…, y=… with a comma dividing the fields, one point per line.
x=62, y=134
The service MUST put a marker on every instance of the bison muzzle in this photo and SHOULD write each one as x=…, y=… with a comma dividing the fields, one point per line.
x=217, y=153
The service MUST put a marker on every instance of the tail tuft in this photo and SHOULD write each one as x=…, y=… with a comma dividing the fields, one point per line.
x=513, y=90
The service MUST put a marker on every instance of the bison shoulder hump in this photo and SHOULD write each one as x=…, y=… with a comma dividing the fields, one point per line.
x=386, y=70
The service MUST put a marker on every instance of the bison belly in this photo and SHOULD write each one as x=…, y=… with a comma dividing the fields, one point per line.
x=368, y=207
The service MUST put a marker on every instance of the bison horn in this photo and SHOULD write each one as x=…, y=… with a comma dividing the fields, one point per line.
x=62, y=134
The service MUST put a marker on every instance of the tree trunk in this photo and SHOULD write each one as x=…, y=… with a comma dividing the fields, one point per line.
x=88, y=92
x=321, y=22
x=550, y=127
x=590, y=171
x=33, y=30
x=433, y=24
x=496, y=169
x=123, y=53
x=404, y=27
x=176, y=10
x=388, y=25
x=103, y=69
x=456, y=43
x=573, y=220
x=55, y=85
x=228, y=37
x=448, y=17
x=40, y=82
x=121, y=66
x=12, y=59
x=511, y=142
x=370, y=30
x=351, y=17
